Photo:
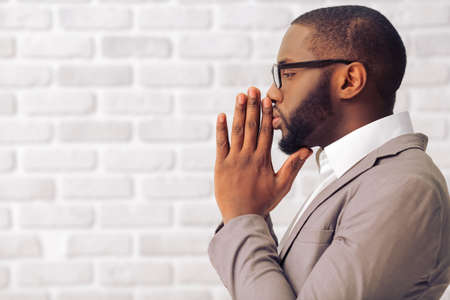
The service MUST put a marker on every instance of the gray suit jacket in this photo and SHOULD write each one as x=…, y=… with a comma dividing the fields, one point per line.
x=381, y=231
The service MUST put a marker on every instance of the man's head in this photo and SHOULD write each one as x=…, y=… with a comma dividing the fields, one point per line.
x=319, y=105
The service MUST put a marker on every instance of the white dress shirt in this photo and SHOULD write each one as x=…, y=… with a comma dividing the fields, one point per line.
x=338, y=157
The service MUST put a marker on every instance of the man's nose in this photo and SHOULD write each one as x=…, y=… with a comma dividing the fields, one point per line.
x=274, y=94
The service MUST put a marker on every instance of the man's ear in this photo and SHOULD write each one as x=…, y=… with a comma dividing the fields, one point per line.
x=352, y=80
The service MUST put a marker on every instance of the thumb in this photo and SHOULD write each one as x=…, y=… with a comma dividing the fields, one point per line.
x=290, y=168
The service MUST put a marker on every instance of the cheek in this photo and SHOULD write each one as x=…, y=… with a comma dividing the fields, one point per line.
x=292, y=100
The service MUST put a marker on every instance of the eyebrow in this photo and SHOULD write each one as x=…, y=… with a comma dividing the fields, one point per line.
x=284, y=60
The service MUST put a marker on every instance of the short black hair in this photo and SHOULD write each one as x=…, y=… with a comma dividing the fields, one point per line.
x=356, y=32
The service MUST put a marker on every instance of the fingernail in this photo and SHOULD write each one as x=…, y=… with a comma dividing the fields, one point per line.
x=267, y=103
x=241, y=99
x=252, y=92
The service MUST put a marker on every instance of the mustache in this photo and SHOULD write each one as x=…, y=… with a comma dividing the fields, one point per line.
x=283, y=117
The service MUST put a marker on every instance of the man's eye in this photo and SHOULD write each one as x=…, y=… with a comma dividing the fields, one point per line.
x=288, y=75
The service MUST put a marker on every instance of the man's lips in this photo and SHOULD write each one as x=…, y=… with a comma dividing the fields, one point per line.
x=276, y=120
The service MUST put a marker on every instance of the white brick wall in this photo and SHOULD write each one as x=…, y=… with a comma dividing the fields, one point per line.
x=107, y=114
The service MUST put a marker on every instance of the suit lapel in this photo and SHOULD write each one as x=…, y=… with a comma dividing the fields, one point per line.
x=392, y=147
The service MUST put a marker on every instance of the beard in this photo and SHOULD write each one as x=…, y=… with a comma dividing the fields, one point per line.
x=310, y=114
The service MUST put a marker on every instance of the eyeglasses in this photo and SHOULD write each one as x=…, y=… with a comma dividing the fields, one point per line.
x=276, y=68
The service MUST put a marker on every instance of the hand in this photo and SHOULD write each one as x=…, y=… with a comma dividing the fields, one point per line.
x=244, y=179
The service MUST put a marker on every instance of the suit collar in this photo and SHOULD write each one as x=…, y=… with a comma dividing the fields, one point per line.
x=391, y=147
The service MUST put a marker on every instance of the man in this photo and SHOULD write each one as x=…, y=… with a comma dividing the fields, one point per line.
x=377, y=226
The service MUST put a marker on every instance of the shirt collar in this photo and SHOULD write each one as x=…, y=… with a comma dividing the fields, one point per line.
x=345, y=152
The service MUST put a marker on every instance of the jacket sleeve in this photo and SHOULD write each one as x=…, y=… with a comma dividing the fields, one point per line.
x=268, y=220
x=385, y=245
x=244, y=254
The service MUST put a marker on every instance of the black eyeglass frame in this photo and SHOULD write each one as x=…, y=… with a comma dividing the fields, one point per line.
x=305, y=64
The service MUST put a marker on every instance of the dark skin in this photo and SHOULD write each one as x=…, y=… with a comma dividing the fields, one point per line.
x=244, y=179
x=354, y=100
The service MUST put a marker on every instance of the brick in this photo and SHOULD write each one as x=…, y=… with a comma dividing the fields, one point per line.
x=107, y=18
x=4, y=277
x=54, y=244
x=174, y=130
x=430, y=99
x=55, y=1
x=7, y=47
x=129, y=103
x=196, y=271
x=57, y=103
x=199, y=214
x=207, y=102
x=54, y=274
x=244, y=74
x=94, y=131
x=402, y=101
x=24, y=296
x=266, y=46
x=196, y=2
x=174, y=243
x=90, y=245
x=136, y=46
x=214, y=45
x=57, y=46
x=26, y=189
x=417, y=15
x=217, y=2
x=176, y=187
x=25, y=132
x=175, y=74
x=19, y=246
x=198, y=158
x=135, y=216
x=433, y=44
x=254, y=17
x=421, y=74
x=163, y=17
x=138, y=160
x=142, y=273
x=433, y=126
x=96, y=187
x=7, y=161
x=221, y=293
x=94, y=295
x=174, y=294
x=25, y=17
x=307, y=4
x=53, y=216
x=18, y=75
x=58, y=160
x=5, y=218
x=7, y=104
x=438, y=151
x=99, y=75
x=133, y=1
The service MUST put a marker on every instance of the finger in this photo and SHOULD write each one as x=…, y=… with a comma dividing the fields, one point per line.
x=252, y=119
x=289, y=170
x=237, y=131
x=266, y=131
x=222, y=145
